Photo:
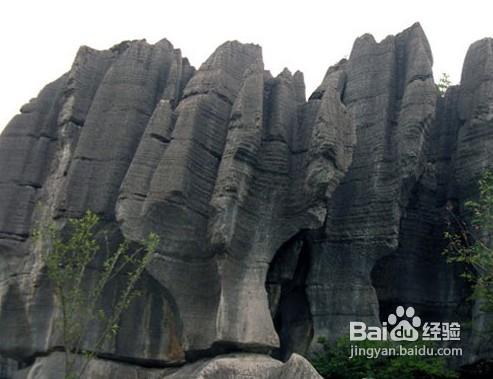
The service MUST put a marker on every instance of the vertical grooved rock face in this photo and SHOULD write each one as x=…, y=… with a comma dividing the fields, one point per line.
x=475, y=114
x=233, y=155
x=473, y=151
x=280, y=219
x=122, y=106
x=26, y=149
x=224, y=163
x=391, y=97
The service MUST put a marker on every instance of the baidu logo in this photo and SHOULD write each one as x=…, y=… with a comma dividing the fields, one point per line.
x=404, y=325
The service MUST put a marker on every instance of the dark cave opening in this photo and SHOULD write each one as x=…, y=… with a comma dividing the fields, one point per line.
x=288, y=301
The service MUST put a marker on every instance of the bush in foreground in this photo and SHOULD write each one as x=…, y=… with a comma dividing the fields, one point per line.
x=333, y=362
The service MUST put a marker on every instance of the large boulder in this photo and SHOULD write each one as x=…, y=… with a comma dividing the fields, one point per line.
x=231, y=366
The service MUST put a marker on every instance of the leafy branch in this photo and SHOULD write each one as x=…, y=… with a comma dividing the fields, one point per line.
x=443, y=83
x=68, y=257
x=471, y=244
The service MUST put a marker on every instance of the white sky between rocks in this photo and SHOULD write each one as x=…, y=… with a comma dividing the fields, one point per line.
x=39, y=38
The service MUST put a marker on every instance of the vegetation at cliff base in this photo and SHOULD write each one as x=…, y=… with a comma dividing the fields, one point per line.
x=334, y=362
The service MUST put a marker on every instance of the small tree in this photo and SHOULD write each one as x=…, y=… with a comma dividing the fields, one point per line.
x=471, y=243
x=68, y=257
x=444, y=83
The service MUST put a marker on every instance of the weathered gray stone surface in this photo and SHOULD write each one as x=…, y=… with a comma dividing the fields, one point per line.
x=472, y=108
x=247, y=366
x=222, y=367
x=280, y=219
x=52, y=365
x=391, y=96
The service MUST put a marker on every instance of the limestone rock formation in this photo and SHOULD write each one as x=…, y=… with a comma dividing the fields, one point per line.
x=280, y=219
x=391, y=96
x=222, y=367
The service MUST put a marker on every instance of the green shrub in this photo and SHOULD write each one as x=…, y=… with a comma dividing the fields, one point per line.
x=443, y=84
x=333, y=362
x=68, y=259
x=471, y=245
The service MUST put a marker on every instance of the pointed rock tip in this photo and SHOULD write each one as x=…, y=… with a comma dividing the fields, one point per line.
x=478, y=63
x=416, y=32
x=416, y=25
x=415, y=28
x=338, y=65
x=166, y=43
x=239, y=50
x=367, y=37
x=235, y=45
x=122, y=46
x=87, y=49
x=285, y=73
x=481, y=42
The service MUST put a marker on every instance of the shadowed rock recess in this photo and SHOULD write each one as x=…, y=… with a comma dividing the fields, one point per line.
x=280, y=219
